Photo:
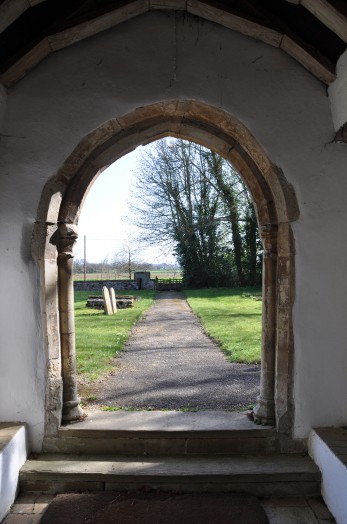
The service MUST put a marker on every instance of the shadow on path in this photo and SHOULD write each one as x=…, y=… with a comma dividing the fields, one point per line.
x=170, y=363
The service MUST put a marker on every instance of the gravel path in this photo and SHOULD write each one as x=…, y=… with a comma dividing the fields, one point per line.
x=170, y=363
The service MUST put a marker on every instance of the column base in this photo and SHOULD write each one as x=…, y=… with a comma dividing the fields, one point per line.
x=264, y=411
x=72, y=410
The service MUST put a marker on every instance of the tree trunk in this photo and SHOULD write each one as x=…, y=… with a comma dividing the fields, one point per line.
x=252, y=245
x=129, y=264
x=230, y=201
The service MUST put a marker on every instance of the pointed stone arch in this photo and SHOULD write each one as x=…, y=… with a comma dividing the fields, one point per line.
x=56, y=231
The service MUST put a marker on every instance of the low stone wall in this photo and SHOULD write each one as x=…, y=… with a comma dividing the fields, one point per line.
x=118, y=285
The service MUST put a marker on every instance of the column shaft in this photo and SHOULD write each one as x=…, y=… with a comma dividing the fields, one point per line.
x=264, y=411
x=71, y=402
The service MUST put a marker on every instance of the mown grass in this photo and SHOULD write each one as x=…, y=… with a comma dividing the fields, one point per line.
x=99, y=337
x=232, y=317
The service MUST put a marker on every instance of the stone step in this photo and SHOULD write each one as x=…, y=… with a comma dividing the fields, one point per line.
x=161, y=433
x=276, y=475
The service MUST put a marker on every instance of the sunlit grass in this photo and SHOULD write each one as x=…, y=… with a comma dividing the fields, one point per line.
x=99, y=337
x=232, y=317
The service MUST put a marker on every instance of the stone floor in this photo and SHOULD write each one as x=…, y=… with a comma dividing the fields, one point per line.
x=29, y=508
x=297, y=511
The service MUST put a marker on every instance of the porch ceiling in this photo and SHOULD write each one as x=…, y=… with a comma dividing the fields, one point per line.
x=314, y=32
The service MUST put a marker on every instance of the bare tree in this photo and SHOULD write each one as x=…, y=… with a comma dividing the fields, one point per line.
x=127, y=258
x=192, y=200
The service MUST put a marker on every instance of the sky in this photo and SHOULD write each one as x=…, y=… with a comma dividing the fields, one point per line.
x=104, y=212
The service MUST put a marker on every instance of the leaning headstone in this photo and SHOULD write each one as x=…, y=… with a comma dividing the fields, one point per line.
x=107, y=301
x=113, y=300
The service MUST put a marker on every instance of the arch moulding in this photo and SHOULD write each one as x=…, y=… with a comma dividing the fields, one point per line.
x=56, y=232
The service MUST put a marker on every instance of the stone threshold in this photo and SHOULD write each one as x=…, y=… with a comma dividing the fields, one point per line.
x=159, y=433
x=165, y=421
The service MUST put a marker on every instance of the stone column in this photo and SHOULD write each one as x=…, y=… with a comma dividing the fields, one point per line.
x=71, y=403
x=264, y=411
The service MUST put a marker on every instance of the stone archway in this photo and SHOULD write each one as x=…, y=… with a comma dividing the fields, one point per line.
x=56, y=231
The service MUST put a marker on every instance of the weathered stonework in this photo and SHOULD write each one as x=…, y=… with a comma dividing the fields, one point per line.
x=264, y=411
x=275, y=205
x=67, y=236
x=97, y=285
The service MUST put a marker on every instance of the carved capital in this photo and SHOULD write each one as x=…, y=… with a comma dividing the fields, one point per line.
x=341, y=135
x=268, y=233
x=67, y=237
x=268, y=230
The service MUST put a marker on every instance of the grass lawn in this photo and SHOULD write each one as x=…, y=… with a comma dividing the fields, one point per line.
x=232, y=317
x=100, y=337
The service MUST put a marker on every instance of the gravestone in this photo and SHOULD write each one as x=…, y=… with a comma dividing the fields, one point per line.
x=121, y=301
x=107, y=301
x=95, y=302
x=124, y=301
x=113, y=300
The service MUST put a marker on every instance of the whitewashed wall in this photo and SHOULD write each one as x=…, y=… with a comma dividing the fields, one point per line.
x=154, y=57
x=338, y=93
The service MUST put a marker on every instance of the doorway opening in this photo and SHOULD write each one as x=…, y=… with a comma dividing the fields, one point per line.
x=188, y=201
x=56, y=232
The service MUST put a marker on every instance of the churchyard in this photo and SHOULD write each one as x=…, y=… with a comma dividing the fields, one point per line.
x=231, y=317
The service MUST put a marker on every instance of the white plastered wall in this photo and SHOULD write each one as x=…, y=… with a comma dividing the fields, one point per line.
x=161, y=56
x=338, y=93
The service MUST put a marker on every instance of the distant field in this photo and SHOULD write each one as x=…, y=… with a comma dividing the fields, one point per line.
x=110, y=275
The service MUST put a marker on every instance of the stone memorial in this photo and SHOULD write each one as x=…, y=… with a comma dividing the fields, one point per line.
x=107, y=301
x=113, y=300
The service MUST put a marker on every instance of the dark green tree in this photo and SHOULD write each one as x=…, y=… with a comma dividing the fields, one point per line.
x=192, y=200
